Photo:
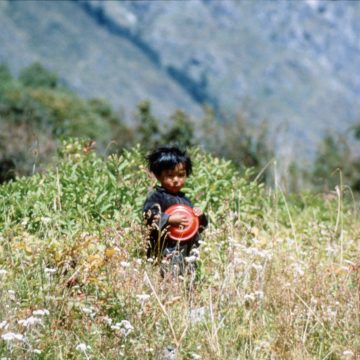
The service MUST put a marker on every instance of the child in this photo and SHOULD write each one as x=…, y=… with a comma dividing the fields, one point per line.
x=171, y=166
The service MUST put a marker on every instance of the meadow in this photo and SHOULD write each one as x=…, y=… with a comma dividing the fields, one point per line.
x=278, y=275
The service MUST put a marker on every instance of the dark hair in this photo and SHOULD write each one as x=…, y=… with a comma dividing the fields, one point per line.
x=166, y=158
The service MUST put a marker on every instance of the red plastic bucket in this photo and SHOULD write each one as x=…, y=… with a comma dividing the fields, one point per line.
x=181, y=233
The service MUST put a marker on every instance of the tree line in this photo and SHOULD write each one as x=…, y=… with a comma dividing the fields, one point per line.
x=37, y=110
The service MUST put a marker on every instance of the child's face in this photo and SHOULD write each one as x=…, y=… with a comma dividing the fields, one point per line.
x=174, y=179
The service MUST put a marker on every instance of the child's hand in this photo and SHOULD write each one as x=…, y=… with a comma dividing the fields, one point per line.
x=178, y=220
x=197, y=211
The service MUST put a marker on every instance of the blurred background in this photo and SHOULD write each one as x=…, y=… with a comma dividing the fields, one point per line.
x=250, y=81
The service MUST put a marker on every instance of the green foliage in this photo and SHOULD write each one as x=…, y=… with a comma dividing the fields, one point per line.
x=87, y=189
x=5, y=76
x=36, y=76
x=35, y=113
x=180, y=131
x=148, y=129
x=237, y=140
x=335, y=164
x=72, y=248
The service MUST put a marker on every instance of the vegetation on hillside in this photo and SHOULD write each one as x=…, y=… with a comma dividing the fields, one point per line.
x=278, y=277
x=36, y=110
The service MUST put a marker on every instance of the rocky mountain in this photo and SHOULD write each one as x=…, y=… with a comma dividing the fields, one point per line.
x=295, y=64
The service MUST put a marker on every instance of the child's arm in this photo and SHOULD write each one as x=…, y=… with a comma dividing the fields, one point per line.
x=152, y=211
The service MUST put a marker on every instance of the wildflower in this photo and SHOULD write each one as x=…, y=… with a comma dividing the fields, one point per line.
x=124, y=264
x=3, y=272
x=41, y=312
x=195, y=356
x=124, y=327
x=107, y=320
x=249, y=297
x=30, y=321
x=4, y=325
x=191, y=259
x=257, y=267
x=45, y=219
x=259, y=294
x=50, y=271
x=348, y=354
x=313, y=301
x=12, y=336
x=89, y=311
x=298, y=270
x=197, y=315
x=142, y=297
x=37, y=351
x=82, y=347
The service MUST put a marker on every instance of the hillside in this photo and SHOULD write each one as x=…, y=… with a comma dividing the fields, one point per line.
x=294, y=64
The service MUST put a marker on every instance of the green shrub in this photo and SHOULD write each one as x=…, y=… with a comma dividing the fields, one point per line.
x=85, y=188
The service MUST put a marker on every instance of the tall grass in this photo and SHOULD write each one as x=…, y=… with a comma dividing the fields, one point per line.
x=278, y=277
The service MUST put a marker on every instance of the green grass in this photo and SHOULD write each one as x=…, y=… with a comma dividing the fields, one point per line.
x=278, y=276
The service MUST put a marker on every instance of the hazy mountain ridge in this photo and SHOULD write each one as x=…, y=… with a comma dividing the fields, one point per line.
x=284, y=61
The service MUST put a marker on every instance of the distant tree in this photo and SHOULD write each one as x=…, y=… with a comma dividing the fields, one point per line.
x=37, y=75
x=5, y=75
x=334, y=154
x=148, y=132
x=238, y=140
x=181, y=130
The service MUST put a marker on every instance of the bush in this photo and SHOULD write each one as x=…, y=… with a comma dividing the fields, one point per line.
x=36, y=76
x=88, y=189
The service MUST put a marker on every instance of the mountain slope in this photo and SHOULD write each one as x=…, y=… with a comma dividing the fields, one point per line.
x=294, y=64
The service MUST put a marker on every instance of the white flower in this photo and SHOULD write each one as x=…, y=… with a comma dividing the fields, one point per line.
x=3, y=272
x=249, y=297
x=50, y=271
x=124, y=264
x=4, y=325
x=82, y=347
x=142, y=297
x=12, y=336
x=41, y=312
x=124, y=327
x=30, y=321
x=36, y=351
x=348, y=354
x=259, y=294
x=107, y=320
x=45, y=219
x=89, y=311
x=298, y=269
x=195, y=356
x=257, y=267
x=191, y=259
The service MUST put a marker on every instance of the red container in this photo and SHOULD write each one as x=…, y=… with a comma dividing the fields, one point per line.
x=181, y=233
